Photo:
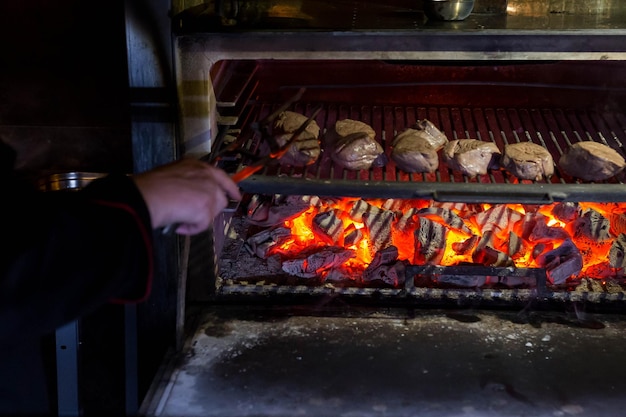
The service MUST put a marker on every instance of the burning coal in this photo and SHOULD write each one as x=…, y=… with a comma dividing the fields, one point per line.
x=356, y=240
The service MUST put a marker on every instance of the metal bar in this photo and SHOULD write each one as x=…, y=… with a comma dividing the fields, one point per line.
x=535, y=193
x=67, y=343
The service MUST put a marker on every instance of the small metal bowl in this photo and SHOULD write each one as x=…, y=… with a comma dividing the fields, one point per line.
x=448, y=9
x=68, y=181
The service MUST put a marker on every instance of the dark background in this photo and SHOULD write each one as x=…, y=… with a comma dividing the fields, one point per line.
x=64, y=85
x=64, y=106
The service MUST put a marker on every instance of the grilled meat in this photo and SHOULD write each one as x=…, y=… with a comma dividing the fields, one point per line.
x=434, y=136
x=471, y=156
x=527, y=161
x=306, y=148
x=591, y=161
x=354, y=146
x=412, y=153
x=415, y=148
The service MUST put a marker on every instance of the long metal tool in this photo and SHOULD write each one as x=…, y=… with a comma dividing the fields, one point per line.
x=260, y=163
x=261, y=127
x=256, y=166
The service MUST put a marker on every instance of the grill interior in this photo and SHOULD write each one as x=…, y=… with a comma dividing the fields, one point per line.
x=500, y=103
x=462, y=101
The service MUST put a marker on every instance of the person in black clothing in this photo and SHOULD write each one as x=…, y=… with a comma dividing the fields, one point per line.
x=107, y=227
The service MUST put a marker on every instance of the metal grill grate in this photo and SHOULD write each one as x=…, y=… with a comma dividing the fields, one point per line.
x=554, y=129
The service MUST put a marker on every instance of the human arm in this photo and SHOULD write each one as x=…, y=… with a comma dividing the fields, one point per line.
x=66, y=253
x=189, y=193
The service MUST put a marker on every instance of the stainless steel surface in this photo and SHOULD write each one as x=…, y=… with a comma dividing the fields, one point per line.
x=448, y=9
x=68, y=180
x=395, y=15
x=291, y=361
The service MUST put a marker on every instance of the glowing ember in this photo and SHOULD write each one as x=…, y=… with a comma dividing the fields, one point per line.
x=567, y=239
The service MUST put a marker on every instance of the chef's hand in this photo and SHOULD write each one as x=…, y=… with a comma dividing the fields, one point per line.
x=188, y=193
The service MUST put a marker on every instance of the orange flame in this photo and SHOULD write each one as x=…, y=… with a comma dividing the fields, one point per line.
x=595, y=254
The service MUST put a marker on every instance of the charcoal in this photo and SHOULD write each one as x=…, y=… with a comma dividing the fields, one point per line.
x=385, y=256
x=360, y=208
x=486, y=252
x=352, y=236
x=561, y=263
x=540, y=230
x=328, y=227
x=392, y=275
x=448, y=216
x=591, y=225
x=467, y=246
x=515, y=245
x=498, y=218
x=312, y=265
x=618, y=223
x=617, y=253
x=401, y=205
x=430, y=242
x=379, y=225
x=265, y=240
x=339, y=275
x=566, y=211
x=538, y=249
x=463, y=209
x=489, y=256
x=263, y=211
x=407, y=221
x=378, y=222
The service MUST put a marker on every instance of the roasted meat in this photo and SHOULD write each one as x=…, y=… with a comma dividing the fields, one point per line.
x=412, y=153
x=415, y=149
x=527, y=161
x=306, y=148
x=471, y=156
x=353, y=145
x=591, y=161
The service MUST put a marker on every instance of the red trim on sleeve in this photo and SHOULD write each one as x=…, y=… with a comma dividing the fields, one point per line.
x=146, y=236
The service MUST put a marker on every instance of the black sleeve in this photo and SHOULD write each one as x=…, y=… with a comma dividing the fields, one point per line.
x=67, y=253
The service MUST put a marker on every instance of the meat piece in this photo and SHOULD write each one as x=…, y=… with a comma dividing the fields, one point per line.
x=415, y=149
x=470, y=156
x=429, y=131
x=527, y=161
x=347, y=127
x=591, y=161
x=306, y=148
x=354, y=145
x=413, y=153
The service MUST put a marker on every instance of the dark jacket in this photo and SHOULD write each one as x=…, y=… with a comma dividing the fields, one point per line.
x=64, y=255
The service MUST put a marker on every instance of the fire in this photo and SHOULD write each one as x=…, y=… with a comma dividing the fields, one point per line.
x=559, y=237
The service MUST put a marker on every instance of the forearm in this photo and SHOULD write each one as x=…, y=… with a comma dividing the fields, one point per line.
x=71, y=252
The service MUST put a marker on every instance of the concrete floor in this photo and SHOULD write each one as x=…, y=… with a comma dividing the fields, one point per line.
x=397, y=363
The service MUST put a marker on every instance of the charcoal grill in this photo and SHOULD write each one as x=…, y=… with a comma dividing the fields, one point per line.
x=549, y=77
x=500, y=102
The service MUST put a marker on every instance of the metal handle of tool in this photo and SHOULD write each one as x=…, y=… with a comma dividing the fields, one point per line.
x=256, y=166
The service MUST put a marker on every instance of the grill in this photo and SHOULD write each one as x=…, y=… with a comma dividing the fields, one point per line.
x=510, y=108
x=446, y=340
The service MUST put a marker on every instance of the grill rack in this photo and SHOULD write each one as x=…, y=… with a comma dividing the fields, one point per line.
x=553, y=128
